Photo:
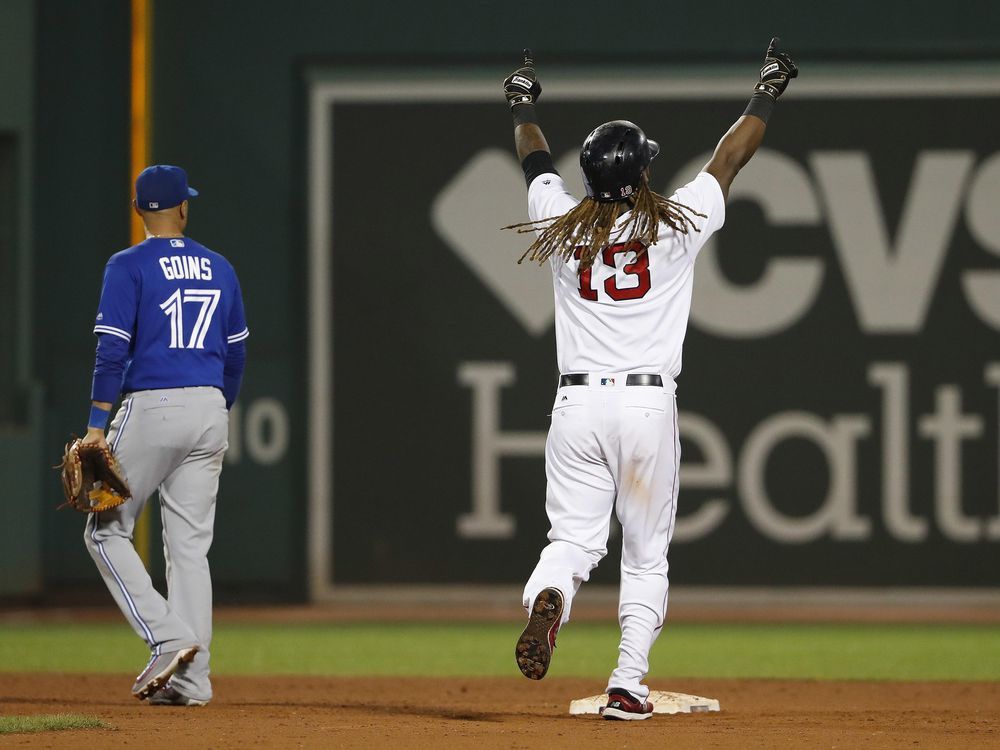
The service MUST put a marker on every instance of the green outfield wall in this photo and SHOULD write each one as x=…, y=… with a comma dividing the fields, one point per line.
x=842, y=374
x=21, y=445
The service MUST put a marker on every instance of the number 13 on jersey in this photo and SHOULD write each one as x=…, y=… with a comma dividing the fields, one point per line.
x=639, y=267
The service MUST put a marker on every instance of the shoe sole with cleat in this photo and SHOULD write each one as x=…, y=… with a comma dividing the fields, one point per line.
x=534, y=648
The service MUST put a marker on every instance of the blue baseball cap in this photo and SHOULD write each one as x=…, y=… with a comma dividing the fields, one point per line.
x=162, y=186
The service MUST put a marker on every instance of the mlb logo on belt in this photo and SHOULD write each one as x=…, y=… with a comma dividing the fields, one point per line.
x=607, y=381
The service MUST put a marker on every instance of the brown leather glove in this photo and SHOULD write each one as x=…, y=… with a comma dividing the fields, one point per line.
x=92, y=478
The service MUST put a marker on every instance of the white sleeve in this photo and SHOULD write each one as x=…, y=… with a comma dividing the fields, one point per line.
x=703, y=195
x=548, y=197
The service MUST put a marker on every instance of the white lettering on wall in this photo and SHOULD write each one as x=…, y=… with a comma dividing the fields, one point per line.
x=948, y=427
x=992, y=377
x=892, y=283
x=982, y=288
x=261, y=429
x=836, y=516
x=894, y=379
x=489, y=446
x=891, y=277
x=714, y=472
x=789, y=286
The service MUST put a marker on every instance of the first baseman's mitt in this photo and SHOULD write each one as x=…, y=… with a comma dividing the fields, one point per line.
x=92, y=478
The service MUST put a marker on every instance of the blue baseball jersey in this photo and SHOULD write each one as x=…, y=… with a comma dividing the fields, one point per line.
x=179, y=307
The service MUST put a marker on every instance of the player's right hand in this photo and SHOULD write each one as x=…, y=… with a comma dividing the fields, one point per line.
x=522, y=86
x=777, y=70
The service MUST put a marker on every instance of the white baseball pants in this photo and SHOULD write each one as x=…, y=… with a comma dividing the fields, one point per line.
x=615, y=446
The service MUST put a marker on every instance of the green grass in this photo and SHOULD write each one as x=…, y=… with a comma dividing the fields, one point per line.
x=48, y=723
x=889, y=652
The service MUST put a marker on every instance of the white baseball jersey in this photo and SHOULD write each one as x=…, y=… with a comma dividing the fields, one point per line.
x=628, y=313
x=612, y=445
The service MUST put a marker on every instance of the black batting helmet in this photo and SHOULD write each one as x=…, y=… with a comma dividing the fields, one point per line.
x=613, y=158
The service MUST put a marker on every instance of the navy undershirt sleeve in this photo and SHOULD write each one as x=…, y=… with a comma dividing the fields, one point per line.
x=232, y=374
x=112, y=356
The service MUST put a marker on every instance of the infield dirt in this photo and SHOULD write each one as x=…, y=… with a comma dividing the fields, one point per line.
x=286, y=712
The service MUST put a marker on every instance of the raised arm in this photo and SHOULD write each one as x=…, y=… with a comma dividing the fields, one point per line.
x=522, y=90
x=528, y=138
x=735, y=150
x=743, y=138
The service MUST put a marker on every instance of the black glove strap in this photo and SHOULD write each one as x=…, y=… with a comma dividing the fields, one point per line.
x=768, y=88
x=524, y=113
x=761, y=105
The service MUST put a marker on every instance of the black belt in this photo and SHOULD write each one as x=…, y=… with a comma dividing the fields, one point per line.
x=583, y=378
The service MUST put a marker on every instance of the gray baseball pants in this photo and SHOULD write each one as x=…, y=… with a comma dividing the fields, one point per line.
x=174, y=440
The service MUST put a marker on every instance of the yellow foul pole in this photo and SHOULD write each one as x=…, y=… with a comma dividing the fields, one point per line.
x=140, y=133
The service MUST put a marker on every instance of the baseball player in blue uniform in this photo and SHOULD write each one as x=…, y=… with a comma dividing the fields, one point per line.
x=171, y=332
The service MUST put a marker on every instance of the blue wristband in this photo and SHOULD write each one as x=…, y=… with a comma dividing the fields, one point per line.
x=98, y=417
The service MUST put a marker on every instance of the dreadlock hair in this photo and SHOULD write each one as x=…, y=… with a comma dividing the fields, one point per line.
x=588, y=226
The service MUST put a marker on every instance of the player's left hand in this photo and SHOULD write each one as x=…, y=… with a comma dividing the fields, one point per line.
x=92, y=478
x=522, y=86
x=95, y=435
x=777, y=70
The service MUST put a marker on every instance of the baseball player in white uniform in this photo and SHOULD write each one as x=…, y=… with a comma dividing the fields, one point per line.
x=622, y=263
